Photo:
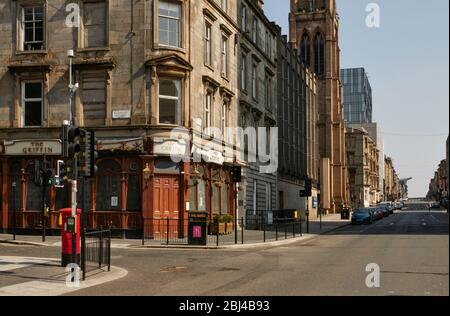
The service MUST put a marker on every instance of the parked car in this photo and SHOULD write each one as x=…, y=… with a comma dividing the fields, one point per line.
x=377, y=213
x=362, y=216
x=385, y=210
x=398, y=205
x=388, y=205
x=435, y=206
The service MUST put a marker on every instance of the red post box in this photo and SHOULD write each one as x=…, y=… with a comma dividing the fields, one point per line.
x=66, y=236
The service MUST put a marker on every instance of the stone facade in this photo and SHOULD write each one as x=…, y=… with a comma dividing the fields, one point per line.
x=257, y=99
x=363, y=158
x=392, y=188
x=438, y=187
x=297, y=121
x=314, y=31
x=142, y=71
x=377, y=137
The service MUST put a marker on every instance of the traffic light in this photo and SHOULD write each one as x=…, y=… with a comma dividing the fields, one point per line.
x=237, y=174
x=73, y=141
x=89, y=154
x=308, y=187
x=63, y=172
x=307, y=192
x=47, y=174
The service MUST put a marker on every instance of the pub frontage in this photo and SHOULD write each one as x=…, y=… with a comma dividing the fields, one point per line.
x=137, y=179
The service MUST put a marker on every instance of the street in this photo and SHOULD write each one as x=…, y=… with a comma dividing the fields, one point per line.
x=411, y=248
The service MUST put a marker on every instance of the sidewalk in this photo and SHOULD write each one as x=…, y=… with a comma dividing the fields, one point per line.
x=255, y=238
x=55, y=241
x=29, y=276
x=251, y=237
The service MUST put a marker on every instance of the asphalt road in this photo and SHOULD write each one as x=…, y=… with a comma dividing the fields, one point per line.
x=411, y=249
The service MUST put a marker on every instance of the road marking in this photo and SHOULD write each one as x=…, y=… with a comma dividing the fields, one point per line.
x=427, y=293
x=13, y=263
x=391, y=292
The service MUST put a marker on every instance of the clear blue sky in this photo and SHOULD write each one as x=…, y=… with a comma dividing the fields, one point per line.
x=407, y=59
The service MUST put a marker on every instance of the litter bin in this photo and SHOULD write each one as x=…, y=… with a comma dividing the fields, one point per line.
x=68, y=225
x=197, y=228
x=345, y=213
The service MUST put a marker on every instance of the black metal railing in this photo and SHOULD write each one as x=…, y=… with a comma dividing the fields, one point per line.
x=168, y=231
x=96, y=250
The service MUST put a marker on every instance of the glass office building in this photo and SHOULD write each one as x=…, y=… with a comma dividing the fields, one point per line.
x=357, y=96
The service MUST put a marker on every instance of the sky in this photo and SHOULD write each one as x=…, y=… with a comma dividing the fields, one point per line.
x=407, y=59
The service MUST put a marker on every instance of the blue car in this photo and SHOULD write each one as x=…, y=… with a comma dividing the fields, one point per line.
x=362, y=216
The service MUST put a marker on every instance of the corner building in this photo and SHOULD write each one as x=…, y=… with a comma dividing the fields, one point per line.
x=144, y=67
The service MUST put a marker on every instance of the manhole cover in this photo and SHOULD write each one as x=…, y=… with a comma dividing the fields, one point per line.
x=173, y=269
x=229, y=269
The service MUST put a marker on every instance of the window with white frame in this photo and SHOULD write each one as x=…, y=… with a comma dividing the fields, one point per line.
x=255, y=81
x=243, y=72
x=33, y=28
x=268, y=91
x=255, y=30
x=224, y=53
x=268, y=44
x=224, y=119
x=208, y=109
x=169, y=23
x=224, y=5
x=94, y=23
x=32, y=103
x=169, y=101
x=244, y=18
x=208, y=44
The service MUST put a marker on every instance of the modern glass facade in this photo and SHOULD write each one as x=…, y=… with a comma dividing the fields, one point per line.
x=357, y=96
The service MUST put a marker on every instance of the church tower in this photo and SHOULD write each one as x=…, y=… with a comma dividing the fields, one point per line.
x=314, y=31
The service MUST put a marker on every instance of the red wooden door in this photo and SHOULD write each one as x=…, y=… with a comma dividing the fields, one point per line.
x=166, y=204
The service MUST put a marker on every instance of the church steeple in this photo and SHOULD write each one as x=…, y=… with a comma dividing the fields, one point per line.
x=314, y=31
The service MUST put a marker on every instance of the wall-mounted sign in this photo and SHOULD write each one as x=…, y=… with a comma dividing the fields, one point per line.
x=114, y=201
x=33, y=147
x=122, y=114
x=314, y=202
x=169, y=147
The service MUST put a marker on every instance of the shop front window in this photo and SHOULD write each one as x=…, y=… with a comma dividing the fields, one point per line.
x=108, y=186
x=14, y=177
x=134, y=188
x=34, y=192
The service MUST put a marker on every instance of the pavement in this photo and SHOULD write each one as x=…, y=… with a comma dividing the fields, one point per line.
x=251, y=238
x=36, y=276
